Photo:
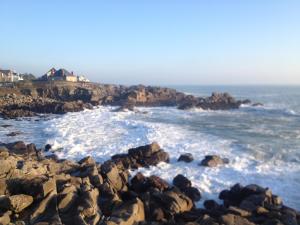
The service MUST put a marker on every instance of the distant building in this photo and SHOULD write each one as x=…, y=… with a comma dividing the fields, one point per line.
x=9, y=76
x=61, y=74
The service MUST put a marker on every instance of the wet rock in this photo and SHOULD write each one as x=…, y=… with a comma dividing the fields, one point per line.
x=87, y=161
x=257, y=104
x=143, y=156
x=193, y=193
x=12, y=134
x=47, y=147
x=156, y=182
x=185, y=185
x=211, y=204
x=187, y=157
x=213, y=161
x=181, y=182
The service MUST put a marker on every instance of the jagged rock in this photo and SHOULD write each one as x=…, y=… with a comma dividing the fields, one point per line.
x=213, y=161
x=46, y=211
x=187, y=157
x=87, y=161
x=185, y=185
x=88, y=206
x=143, y=156
x=35, y=190
x=129, y=213
x=174, y=201
x=149, y=155
x=5, y=218
x=118, y=179
x=231, y=219
x=238, y=211
x=20, y=202
x=38, y=187
x=66, y=201
x=158, y=183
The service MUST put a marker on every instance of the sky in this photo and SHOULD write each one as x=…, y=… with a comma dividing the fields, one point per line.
x=157, y=42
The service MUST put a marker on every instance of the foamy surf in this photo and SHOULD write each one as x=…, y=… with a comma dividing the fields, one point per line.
x=262, y=143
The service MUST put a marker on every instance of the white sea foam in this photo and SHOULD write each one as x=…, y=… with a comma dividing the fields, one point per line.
x=102, y=133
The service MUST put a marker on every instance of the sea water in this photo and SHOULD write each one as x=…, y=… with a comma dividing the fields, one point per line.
x=262, y=143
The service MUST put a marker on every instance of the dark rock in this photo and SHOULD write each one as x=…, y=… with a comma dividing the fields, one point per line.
x=213, y=161
x=143, y=156
x=12, y=134
x=231, y=219
x=46, y=211
x=211, y=204
x=181, y=182
x=158, y=183
x=257, y=104
x=37, y=187
x=87, y=161
x=193, y=193
x=47, y=147
x=187, y=157
x=174, y=201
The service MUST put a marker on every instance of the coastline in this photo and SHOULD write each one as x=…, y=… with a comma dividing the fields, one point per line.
x=47, y=189
x=26, y=99
x=227, y=210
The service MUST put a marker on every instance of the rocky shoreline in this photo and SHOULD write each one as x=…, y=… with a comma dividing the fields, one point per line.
x=38, y=189
x=31, y=98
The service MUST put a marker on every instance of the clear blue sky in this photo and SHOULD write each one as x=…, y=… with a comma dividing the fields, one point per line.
x=155, y=42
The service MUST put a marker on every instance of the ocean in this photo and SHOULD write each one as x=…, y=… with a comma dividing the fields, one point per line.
x=262, y=143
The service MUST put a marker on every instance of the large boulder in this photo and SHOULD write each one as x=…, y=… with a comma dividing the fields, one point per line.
x=114, y=176
x=213, y=161
x=46, y=211
x=143, y=156
x=185, y=185
x=231, y=219
x=38, y=187
x=19, y=202
x=174, y=201
x=129, y=213
x=187, y=157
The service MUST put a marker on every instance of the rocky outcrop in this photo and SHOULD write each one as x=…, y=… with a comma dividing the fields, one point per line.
x=37, y=97
x=38, y=190
x=143, y=156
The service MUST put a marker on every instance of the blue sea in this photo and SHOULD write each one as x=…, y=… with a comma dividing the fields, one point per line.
x=262, y=143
